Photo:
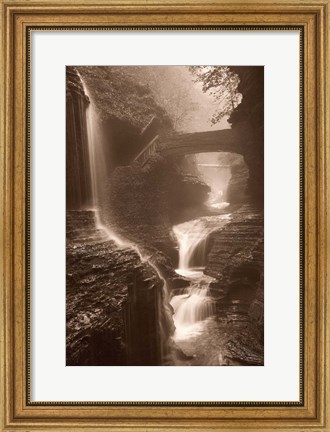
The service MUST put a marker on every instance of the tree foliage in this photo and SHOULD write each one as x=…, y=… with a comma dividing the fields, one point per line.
x=221, y=83
x=172, y=89
x=118, y=94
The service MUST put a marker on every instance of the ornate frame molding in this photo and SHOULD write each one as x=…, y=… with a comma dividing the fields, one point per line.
x=17, y=19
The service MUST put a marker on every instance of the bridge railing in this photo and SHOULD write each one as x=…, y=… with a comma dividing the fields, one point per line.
x=148, y=151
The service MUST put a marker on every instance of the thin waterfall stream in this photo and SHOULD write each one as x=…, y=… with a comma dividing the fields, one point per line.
x=98, y=173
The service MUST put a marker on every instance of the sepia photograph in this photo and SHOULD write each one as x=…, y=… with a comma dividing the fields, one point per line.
x=165, y=215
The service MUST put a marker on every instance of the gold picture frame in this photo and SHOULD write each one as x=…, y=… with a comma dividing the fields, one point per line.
x=17, y=411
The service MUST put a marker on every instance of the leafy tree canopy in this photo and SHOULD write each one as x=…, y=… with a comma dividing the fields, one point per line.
x=221, y=83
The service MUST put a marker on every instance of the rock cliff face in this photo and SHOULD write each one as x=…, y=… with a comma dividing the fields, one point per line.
x=236, y=260
x=115, y=302
x=237, y=187
x=239, y=244
x=248, y=118
x=78, y=185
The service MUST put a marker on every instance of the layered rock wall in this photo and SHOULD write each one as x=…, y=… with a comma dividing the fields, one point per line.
x=236, y=260
x=114, y=302
x=78, y=180
x=238, y=183
x=248, y=120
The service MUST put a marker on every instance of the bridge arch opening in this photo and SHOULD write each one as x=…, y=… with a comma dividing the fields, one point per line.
x=225, y=173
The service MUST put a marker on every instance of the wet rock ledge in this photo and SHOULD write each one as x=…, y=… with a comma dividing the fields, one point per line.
x=105, y=286
x=236, y=260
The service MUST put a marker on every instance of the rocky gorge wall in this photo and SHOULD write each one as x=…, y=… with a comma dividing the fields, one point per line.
x=114, y=302
x=248, y=119
x=236, y=261
x=238, y=184
x=78, y=182
x=236, y=257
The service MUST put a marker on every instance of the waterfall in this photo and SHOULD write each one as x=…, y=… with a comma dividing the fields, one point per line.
x=98, y=170
x=192, y=237
x=194, y=305
x=97, y=166
x=99, y=178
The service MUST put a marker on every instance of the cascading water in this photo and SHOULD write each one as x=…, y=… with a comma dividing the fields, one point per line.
x=99, y=177
x=192, y=237
x=97, y=166
x=194, y=304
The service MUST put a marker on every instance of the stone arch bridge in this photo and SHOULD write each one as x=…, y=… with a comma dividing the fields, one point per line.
x=225, y=140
